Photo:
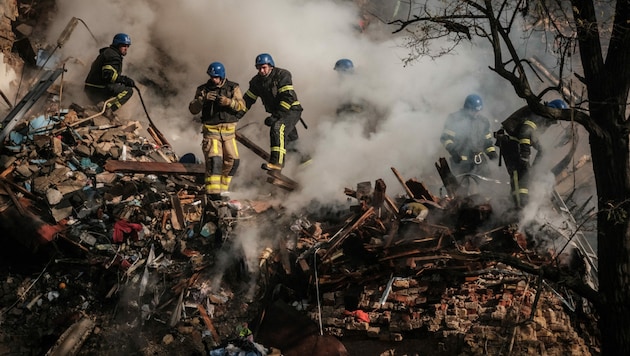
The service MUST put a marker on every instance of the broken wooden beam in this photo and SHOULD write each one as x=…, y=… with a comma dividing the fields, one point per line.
x=73, y=338
x=209, y=325
x=450, y=182
x=338, y=239
x=116, y=166
x=252, y=146
x=402, y=182
x=276, y=178
x=420, y=190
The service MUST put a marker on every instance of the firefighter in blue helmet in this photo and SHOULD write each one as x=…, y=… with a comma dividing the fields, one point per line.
x=221, y=104
x=344, y=65
x=353, y=106
x=274, y=86
x=105, y=79
x=520, y=133
x=468, y=139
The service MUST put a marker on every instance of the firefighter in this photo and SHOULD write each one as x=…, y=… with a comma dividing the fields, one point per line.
x=221, y=104
x=105, y=79
x=468, y=139
x=344, y=66
x=353, y=107
x=274, y=86
x=518, y=134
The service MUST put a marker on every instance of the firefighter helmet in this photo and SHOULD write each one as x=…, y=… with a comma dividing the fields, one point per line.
x=344, y=65
x=264, y=58
x=558, y=104
x=473, y=102
x=216, y=69
x=121, y=39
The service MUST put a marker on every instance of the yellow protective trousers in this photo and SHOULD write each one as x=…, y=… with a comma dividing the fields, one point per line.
x=221, y=156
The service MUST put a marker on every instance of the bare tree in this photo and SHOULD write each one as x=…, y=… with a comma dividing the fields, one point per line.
x=598, y=33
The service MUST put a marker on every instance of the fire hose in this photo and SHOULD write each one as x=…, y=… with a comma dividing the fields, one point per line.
x=152, y=129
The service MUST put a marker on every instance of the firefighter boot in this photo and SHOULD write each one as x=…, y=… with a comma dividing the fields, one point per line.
x=271, y=167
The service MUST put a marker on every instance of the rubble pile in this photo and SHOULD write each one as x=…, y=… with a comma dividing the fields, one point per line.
x=388, y=275
x=115, y=249
x=139, y=263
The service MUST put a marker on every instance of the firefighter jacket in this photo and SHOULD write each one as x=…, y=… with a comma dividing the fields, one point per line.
x=212, y=113
x=525, y=127
x=106, y=68
x=467, y=136
x=276, y=92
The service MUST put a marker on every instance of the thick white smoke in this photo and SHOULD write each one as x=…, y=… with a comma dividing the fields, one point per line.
x=173, y=43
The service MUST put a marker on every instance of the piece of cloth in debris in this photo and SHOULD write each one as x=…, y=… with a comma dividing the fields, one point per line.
x=359, y=315
x=123, y=229
x=240, y=347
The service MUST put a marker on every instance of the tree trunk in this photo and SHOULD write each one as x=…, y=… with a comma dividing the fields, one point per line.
x=611, y=168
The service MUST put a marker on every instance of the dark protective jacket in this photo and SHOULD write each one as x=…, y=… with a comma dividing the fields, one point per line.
x=276, y=92
x=211, y=112
x=106, y=68
x=526, y=128
x=467, y=136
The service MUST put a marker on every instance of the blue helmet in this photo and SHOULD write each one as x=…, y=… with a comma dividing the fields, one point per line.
x=473, y=102
x=216, y=69
x=264, y=58
x=558, y=104
x=121, y=39
x=344, y=65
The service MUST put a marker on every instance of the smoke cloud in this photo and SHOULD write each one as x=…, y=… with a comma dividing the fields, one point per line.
x=173, y=42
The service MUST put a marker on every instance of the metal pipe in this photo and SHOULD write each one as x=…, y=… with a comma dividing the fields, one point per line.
x=319, y=305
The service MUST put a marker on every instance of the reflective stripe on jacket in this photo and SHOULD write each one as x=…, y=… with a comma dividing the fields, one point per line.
x=212, y=113
x=276, y=92
x=106, y=68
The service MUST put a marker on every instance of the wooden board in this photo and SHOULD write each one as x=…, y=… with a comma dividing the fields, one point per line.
x=276, y=178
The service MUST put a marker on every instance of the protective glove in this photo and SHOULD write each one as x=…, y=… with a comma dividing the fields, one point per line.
x=195, y=106
x=270, y=120
x=127, y=81
x=211, y=95
x=493, y=155
x=224, y=101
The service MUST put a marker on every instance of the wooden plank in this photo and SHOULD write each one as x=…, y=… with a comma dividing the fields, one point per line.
x=450, y=182
x=71, y=341
x=339, y=239
x=179, y=213
x=252, y=146
x=209, y=325
x=402, y=182
x=276, y=178
x=154, y=167
x=392, y=206
x=420, y=190
x=13, y=197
